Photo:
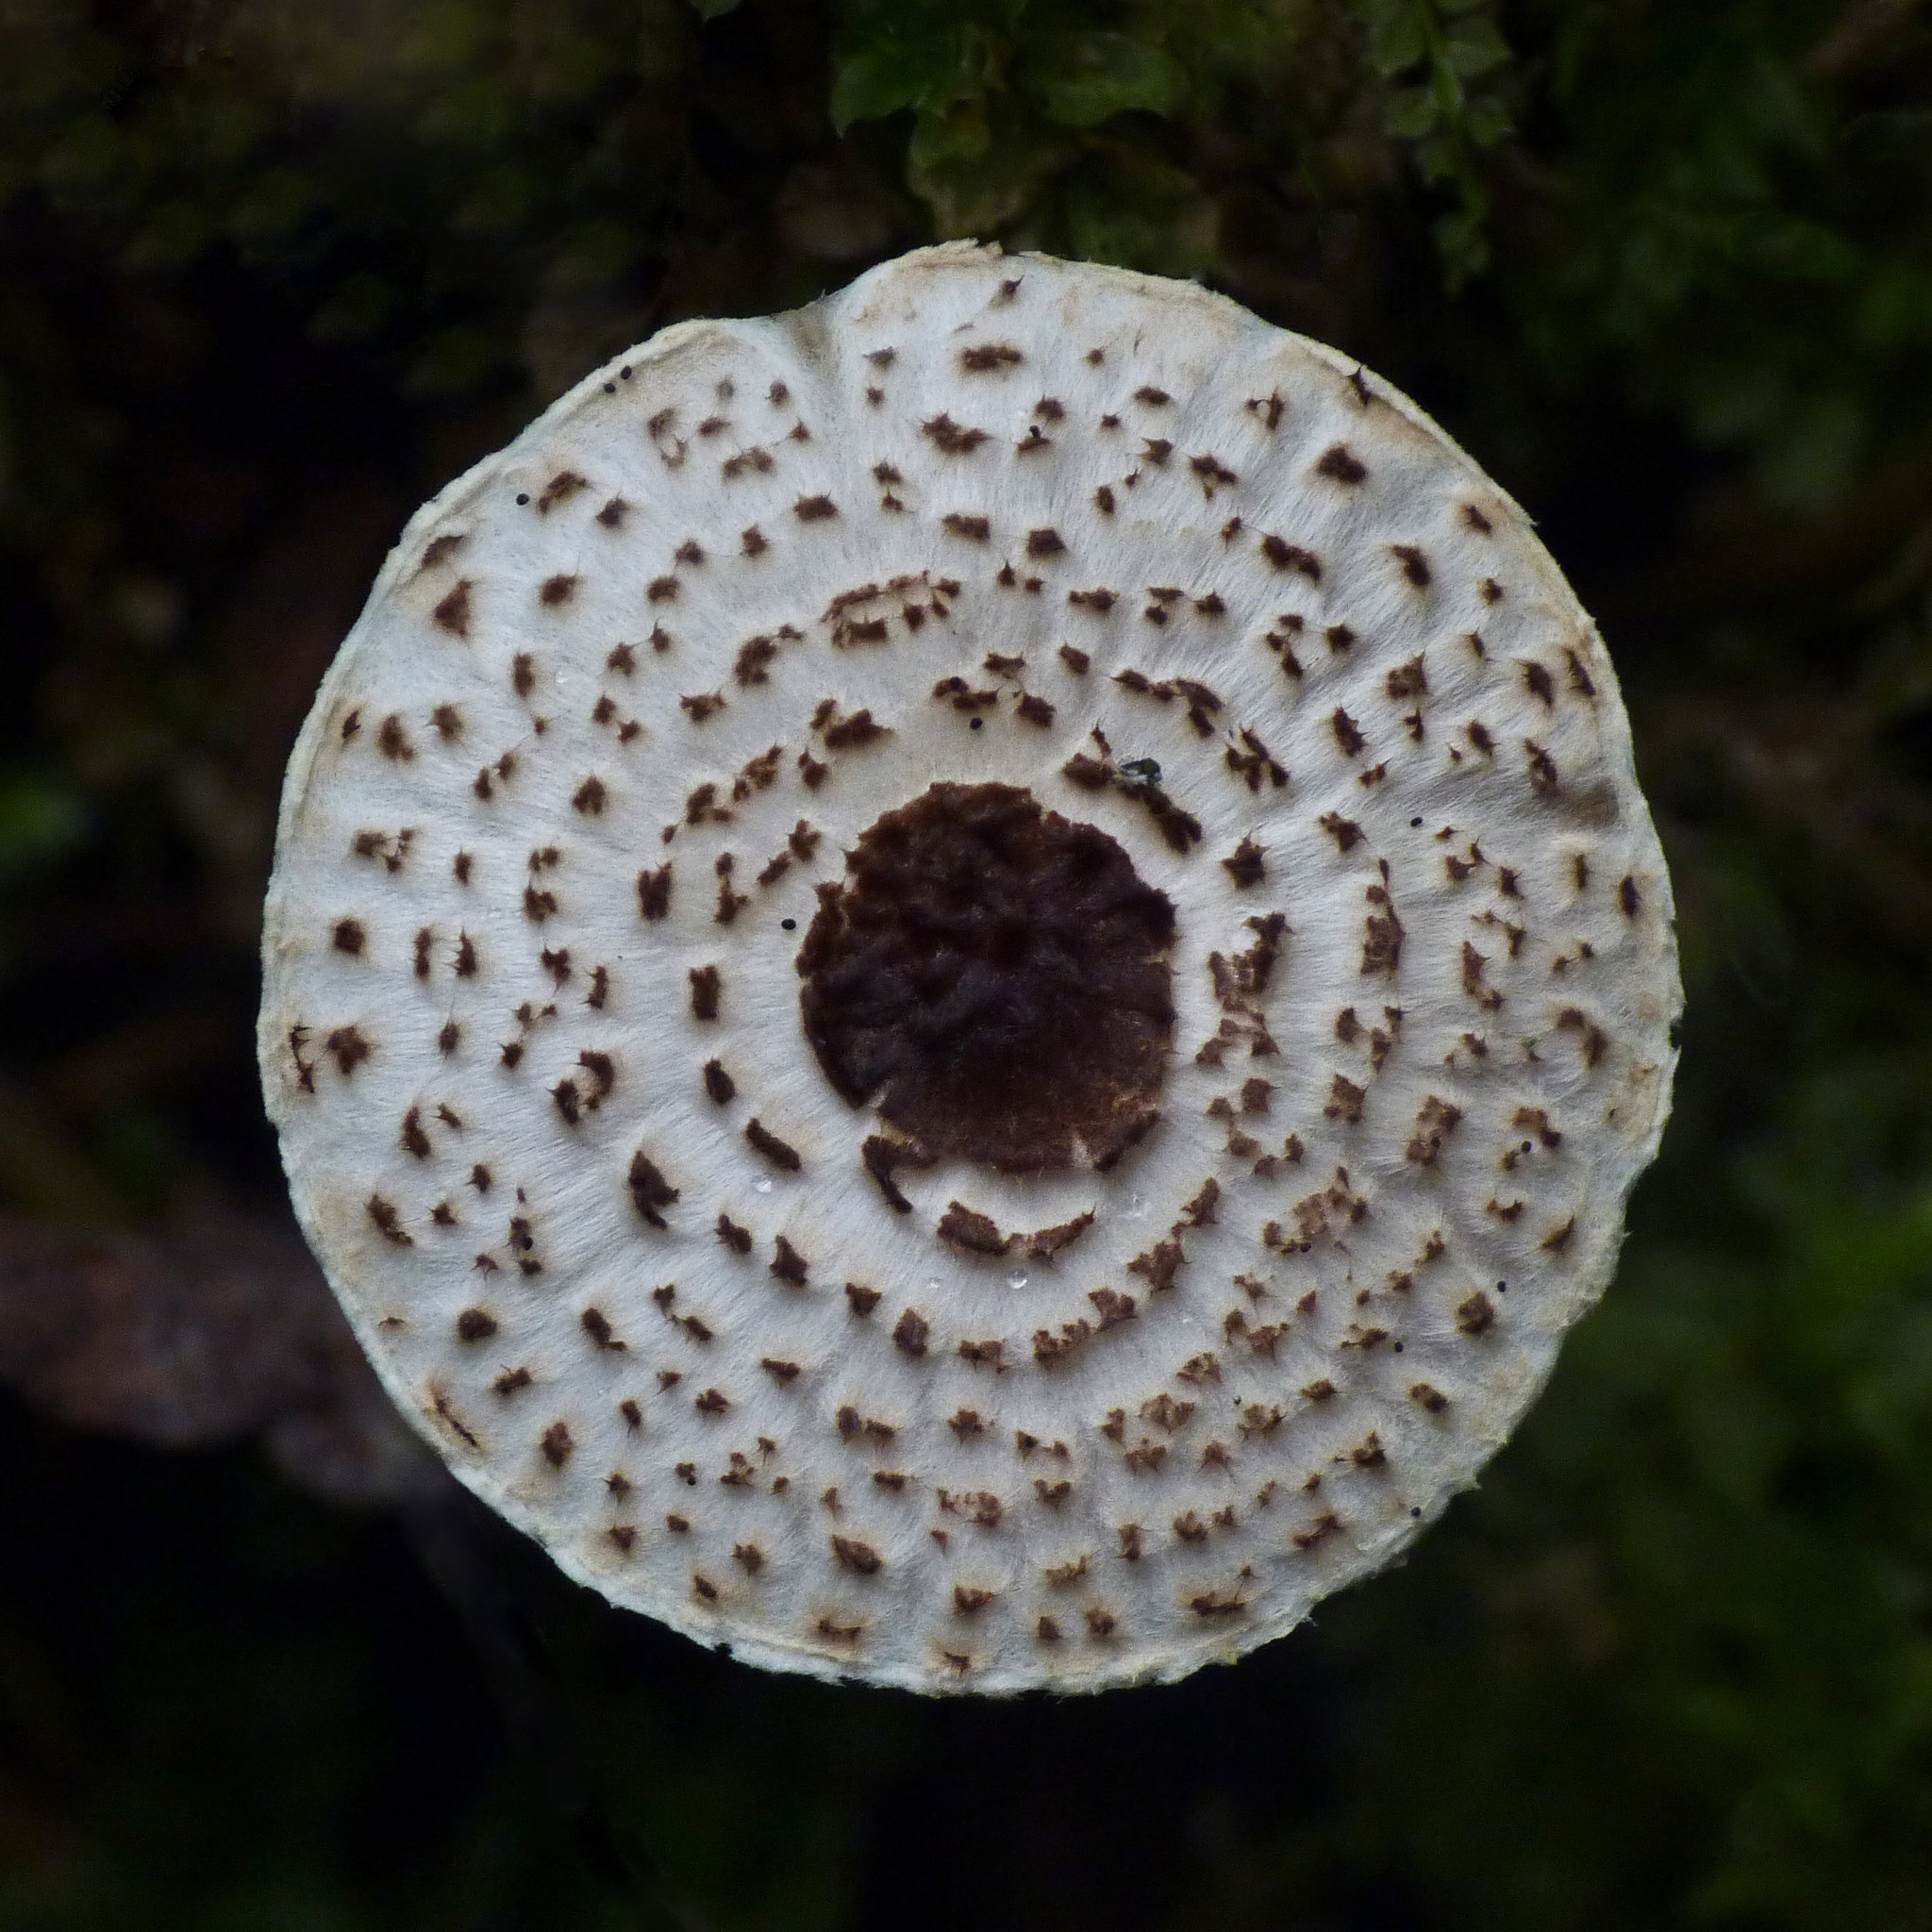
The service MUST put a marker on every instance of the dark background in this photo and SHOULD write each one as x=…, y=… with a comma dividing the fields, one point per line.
x=272, y=270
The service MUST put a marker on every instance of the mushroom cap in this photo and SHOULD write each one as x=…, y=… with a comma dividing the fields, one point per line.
x=961, y=987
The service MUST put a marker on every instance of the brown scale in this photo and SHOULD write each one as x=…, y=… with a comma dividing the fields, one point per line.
x=1163, y=1411
x=1178, y=828
x=654, y=892
x=1593, y=1042
x=853, y=1426
x=949, y=438
x=1339, y=465
x=1160, y=1266
x=1473, y=983
x=1382, y=930
x=1318, y=1532
x=1214, y=1605
x=1436, y=1118
x=1245, y=865
x=781, y=1154
x=757, y=775
x=442, y=1408
x=1514, y=935
x=1476, y=1315
x=1050, y=1349
x=980, y=1506
x=1415, y=565
x=596, y=1324
x=650, y=1192
x=1212, y=475
x=390, y=848
x=1345, y=1103
x=1026, y=961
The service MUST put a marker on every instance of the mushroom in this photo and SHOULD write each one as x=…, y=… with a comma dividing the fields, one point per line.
x=961, y=987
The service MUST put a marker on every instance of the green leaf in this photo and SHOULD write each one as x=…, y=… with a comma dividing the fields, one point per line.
x=984, y=194
x=39, y=822
x=1134, y=209
x=1395, y=36
x=1447, y=90
x=1083, y=79
x=1437, y=160
x=1410, y=113
x=947, y=137
x=1463, y=245
x=1487, y=121
x=871, y=85
x=1476, y=47
x=899, y=70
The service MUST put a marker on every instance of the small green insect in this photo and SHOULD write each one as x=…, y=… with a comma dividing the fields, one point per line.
x=1142, y=771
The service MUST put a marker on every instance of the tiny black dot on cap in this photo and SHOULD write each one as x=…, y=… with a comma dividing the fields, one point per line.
x=625, y=372
x=609, y=388
x=1502, y=1288
x=1413, y=823
x=1398, y=1348
x=1415, y=1512
x=523, y=496
x=978, y=724
x=789, y=924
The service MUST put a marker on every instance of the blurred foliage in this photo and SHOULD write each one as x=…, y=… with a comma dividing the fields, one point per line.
x=271, y=272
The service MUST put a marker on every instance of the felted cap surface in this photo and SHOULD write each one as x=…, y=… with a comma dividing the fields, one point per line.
x=961, y=987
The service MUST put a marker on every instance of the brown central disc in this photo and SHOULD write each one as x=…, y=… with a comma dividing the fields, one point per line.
x=994, y=978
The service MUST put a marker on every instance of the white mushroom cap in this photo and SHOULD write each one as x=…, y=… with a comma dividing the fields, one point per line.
x=961, y=987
